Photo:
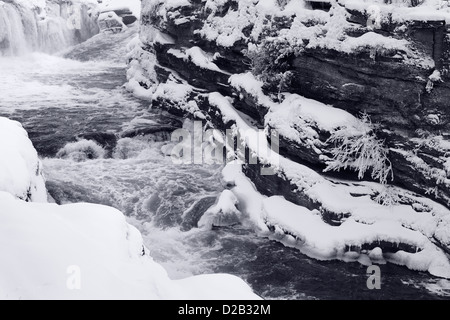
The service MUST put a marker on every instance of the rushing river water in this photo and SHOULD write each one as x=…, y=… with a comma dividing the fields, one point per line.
x=60, y=100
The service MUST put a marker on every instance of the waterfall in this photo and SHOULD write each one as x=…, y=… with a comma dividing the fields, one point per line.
x=50, y=26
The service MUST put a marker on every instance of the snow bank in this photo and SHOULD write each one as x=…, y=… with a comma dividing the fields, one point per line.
x=93, y=249
x=20, y=169
x=78, y=251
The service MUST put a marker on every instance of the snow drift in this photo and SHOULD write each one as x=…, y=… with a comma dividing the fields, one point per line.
x=20, y=169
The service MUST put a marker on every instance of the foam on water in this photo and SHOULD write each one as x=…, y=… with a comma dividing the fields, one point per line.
x=141, y=181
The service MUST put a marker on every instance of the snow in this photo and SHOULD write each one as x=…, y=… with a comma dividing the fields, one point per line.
x=217, y=287
x=173, y=91
x=251, y=85
x=325, y=239
x=435, y=76
x=227, y=30
x=434, y=10
x=371, y=39
x=27, y=26
x=249, y=199
x=296, y=110
x=196, y=56
x=141, y=70
x=254, y=139
x=110, y=21
x=20, y=169
x=173, y=4
x=322, y=241
x=111, y=264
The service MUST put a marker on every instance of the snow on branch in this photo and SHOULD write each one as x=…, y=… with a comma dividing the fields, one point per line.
x=360, y=151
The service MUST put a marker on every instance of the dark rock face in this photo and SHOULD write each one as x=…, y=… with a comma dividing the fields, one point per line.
x=393, y=92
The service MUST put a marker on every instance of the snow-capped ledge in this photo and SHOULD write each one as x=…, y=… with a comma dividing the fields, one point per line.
x=20, y=169
x=78, y=251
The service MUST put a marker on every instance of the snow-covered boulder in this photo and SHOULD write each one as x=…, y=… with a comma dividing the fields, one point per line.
x=110, y=22
x=223, y=214
x=20, y=169
x=84, y=251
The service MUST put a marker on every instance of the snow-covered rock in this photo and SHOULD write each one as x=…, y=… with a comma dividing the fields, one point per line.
x=45, y=25
x=129, y=6
x=20, y=169
x=110, y=22
x=380, y=68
